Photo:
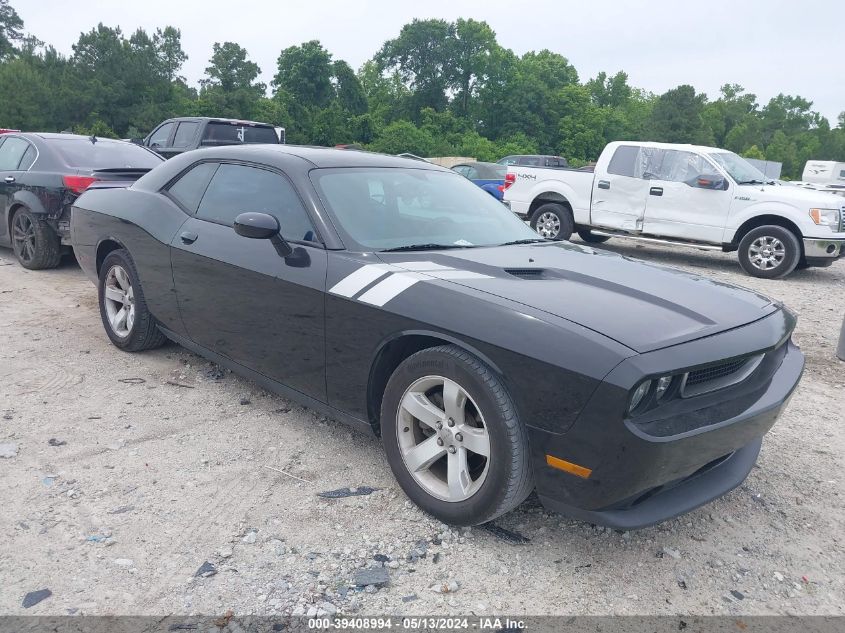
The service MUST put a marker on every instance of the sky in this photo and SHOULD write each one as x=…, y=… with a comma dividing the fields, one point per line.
x=767, y=46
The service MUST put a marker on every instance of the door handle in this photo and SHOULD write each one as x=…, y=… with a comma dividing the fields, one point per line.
x=604, y=184
x=187, y=237
x=9, y=179
x=655, y=191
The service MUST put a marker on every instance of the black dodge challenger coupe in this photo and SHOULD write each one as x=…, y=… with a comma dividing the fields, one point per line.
x=399, y=297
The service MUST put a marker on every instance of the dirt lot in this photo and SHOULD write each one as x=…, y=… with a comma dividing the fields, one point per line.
x=120, y=485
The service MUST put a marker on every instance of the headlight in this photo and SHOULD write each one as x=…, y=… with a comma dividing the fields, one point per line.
x=663, y=384
x=828, y=217
x=639, y=394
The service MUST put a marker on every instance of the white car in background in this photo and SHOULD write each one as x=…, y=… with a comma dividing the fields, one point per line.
x=688, y=195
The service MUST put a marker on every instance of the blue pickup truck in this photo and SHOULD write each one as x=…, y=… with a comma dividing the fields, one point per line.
x=488, y=176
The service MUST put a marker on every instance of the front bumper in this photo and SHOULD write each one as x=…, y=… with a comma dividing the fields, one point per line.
x=693, y=451
x=820, y=248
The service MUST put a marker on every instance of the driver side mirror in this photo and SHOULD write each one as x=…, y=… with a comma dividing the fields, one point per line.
x=708, y=181
x=262, y=226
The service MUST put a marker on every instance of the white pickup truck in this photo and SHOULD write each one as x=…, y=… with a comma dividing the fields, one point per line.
x=687, y=195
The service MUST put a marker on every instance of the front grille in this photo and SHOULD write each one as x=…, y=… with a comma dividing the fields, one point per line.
x=712, y=373
x=707, y=379
x=842, y=218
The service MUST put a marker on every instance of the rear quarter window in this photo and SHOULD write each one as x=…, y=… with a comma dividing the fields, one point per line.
x=190, y=188
x=624, y=161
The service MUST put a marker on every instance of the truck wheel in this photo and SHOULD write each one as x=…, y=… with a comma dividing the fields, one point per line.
x=588, y=236
x=553, y=221
x=35, y=243
x=123, y=309
x=453, y=437
x=769, y=252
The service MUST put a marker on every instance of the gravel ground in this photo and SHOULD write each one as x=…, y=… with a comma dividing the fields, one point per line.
x=141, y=484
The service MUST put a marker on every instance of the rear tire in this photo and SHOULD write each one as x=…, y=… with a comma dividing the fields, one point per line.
x=769, y=252
x=553, y=221
x=465, y=412
x=123, y=309
x=588, y=236
x=35, y=243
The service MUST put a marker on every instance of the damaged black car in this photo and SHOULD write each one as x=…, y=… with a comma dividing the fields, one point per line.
x=397, y=296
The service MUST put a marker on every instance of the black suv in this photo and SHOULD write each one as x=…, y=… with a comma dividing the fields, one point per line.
x=176, y=136
x=42, y=174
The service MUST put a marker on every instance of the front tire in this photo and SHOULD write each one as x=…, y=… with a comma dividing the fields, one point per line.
x=453, y=438
x=769, y=252
x=35, y=243
x=553, y=221
x=123, y=309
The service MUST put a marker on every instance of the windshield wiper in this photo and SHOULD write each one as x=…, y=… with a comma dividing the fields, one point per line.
x=750, y=182
x=533, y=240
x=424, y=247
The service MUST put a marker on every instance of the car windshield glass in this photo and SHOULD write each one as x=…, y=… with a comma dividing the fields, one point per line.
x=389, y=208
x=739, y=169
x=236, y=133
x=104, y=154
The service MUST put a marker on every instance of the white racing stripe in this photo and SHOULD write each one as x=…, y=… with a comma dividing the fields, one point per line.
x=386, y=290
x=361, y=278
x=397, y=278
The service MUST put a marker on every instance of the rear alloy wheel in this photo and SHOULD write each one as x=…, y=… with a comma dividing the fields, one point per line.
x=769, y=252
x=127, y=321
x=553, y=221
x=453, y=439
x=36, y=245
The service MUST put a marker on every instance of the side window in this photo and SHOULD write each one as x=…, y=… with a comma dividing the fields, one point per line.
x=237, y=189
x=461, y=169
x=28, y=158
x=624, y=160
x=679, y=166
x=650, y=163
x=161, y=135
x=11, y=153
x=842, y=174
x=185, y=134
x=471, y=173
x=189, y=189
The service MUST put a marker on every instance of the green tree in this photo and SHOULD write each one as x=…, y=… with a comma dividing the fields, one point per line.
x=677, y=117
x=471, y=56
x=11, y=27
x=305, y=73
x=421, y=55
x=230, y=87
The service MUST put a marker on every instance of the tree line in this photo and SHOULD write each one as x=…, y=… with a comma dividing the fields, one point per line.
x=438, y=88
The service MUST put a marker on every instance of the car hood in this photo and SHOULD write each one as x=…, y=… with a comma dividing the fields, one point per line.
x=798, y=196
x=641, y=305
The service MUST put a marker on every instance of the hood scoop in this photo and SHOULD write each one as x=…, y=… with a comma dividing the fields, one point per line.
x=533, y=273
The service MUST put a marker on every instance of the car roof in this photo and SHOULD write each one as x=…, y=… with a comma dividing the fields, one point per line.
x=317, y=156
x=63, y=136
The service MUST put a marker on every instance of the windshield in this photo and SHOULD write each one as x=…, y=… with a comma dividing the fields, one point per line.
x=105, y=154
x=739, y=169
x=390, y=208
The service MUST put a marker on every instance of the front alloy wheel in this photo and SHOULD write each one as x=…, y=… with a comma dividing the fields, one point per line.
x=769, y=252
x=443, y=440
x=766, y=252
x=453, y=438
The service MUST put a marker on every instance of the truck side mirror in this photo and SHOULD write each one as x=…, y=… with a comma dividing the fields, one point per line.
x=708, y=181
